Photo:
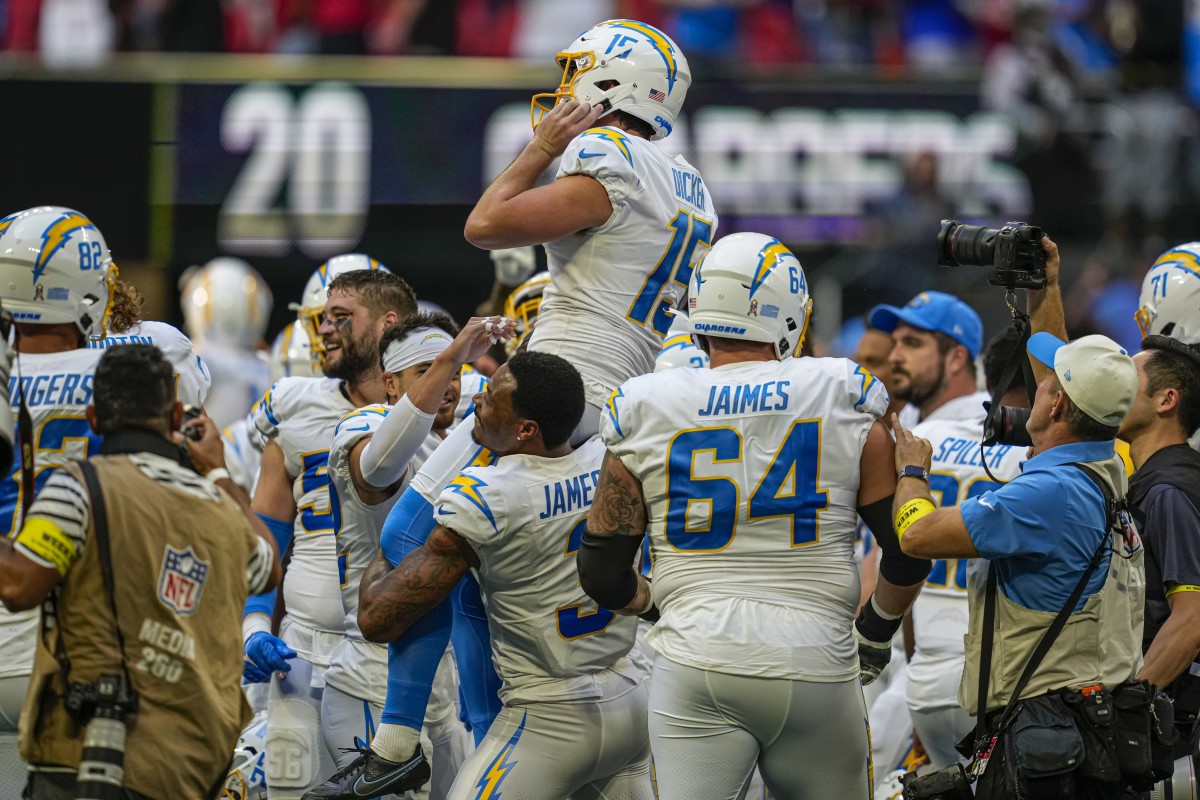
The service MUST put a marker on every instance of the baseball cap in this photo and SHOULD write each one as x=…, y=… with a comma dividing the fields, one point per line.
x=1095, y=372
x=934, y=311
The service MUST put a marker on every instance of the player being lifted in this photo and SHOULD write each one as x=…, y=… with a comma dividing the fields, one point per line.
x=298, y=417
x=751, y=516
x=622, y=225
x=573, y=722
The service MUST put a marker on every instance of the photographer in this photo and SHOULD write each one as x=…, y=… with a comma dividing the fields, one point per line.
x=1165, y=494
x=1044, y=533
x=144, y=566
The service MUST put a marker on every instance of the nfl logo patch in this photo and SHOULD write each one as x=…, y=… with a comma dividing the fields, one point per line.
x=658, y=96
x=181, y=580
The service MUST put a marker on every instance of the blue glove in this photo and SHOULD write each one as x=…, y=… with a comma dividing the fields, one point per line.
x=265, y=654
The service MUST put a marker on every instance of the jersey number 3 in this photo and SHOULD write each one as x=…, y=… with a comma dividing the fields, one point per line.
x=573, y=622
x=788, y=489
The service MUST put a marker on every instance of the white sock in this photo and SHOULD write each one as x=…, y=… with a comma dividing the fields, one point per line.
x=395, y=742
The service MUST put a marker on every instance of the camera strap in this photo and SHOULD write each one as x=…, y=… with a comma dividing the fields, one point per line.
x=1017, y=361
x=100, y=524
x=983, y=742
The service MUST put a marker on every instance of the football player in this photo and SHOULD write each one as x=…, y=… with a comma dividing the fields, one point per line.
x=126, y=326
x=573, y=721
x=1170, y=302
x=622, y=225
x=297, y=417
x=56, y=278
x=751, y=514
x=226, y=307
x=936, y=339
x=375, y=449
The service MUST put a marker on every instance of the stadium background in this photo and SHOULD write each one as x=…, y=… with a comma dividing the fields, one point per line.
x=846, y=129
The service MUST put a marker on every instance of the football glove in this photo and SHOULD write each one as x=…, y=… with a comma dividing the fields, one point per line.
x=265, y=654
x=874, y=633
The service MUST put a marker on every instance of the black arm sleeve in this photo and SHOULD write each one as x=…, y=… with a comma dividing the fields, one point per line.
x=898, y=568
x=605, y=565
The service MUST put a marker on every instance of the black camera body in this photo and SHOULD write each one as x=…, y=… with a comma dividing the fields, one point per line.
x=950, y=783
x=1014, y=252
x=107, y=697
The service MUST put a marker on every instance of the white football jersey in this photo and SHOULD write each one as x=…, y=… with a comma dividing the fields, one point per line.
x=192, y=380
x=58, y=389
x=239, y=379
x=243, y=452
x=940, y=611
x=300, y=414
x=750, y=473
x=524, y=518
x=617, y=280
x=356, y=666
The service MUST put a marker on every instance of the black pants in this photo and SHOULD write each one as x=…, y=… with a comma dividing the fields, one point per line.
x=61, y=786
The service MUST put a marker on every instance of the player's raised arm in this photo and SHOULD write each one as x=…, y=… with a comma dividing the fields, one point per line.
x=512, y=213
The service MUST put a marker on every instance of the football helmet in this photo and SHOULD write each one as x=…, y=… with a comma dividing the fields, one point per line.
x=55, y=268
x=680, y=351
x=652, y=76
x=316, y=292
x=749, y=286
x=291, y=355
x=1170, y=301
x=227, y=302
x=523, y=306
x=247, y=779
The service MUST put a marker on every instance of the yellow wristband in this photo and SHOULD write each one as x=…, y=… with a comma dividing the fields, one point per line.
x=910, y=512
x=1182, y=587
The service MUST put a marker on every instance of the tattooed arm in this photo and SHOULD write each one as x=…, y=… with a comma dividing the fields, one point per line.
x=392, y=600
x=612, y=539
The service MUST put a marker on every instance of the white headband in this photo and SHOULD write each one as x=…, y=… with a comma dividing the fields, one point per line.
x=419, y=346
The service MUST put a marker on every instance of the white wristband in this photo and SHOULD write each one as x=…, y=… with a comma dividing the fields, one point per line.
x=254, y=622
x=218, y=474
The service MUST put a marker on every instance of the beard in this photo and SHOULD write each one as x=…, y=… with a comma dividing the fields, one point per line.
x=358, y=357
x=919, y=390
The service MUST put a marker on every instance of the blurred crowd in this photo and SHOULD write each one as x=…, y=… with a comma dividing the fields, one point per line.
x=1091, y=35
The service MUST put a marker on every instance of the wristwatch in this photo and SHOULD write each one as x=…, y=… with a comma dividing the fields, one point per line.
x=913, y=471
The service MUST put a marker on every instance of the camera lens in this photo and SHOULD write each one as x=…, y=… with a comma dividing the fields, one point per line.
x=960, y=244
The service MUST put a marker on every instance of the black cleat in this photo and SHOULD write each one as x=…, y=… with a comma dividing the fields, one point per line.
x=371, y=776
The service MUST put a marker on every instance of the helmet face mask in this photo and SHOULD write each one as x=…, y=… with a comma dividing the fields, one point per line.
x=750, y=287
x=643, y=71
x=523, y=306
x=1170, y=299
x=56, y=268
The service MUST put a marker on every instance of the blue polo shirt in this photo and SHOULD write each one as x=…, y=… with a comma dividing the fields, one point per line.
x=1041, y=529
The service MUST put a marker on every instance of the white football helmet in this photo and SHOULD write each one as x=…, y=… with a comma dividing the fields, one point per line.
x=316, y=292
x=680, y=351
x=749, y=286
x=1170, y=303
x=55, y=268
x=225, y=301
x=291, y=355
x=247, y=779
x=523, y=306
x=652, y=76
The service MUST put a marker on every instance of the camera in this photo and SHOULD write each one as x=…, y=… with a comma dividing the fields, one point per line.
x=1014, y=252
x=104, y=707
x=950, y=783
x=190, y=415
x=1006, y=425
